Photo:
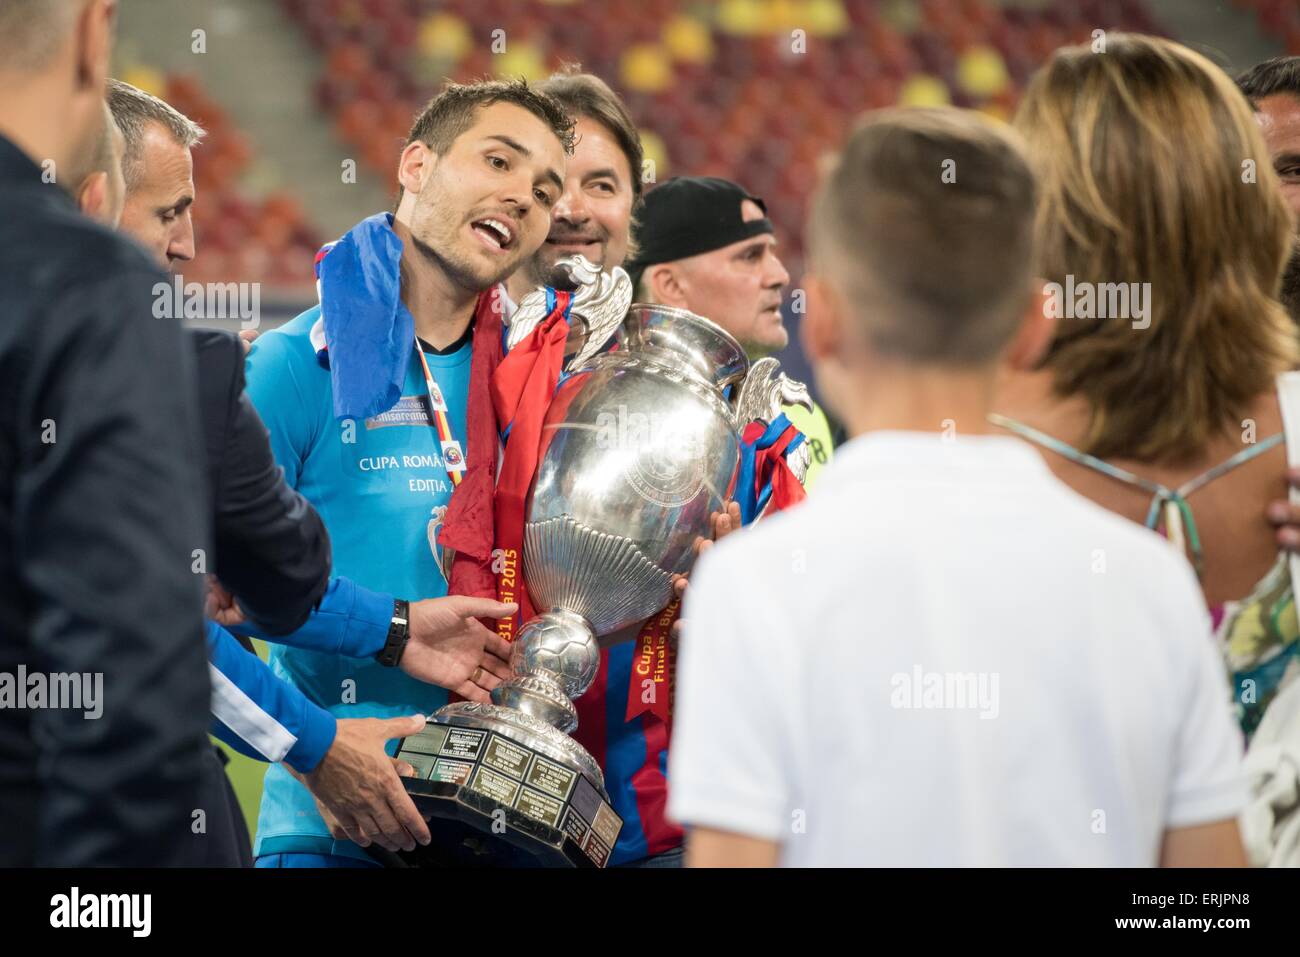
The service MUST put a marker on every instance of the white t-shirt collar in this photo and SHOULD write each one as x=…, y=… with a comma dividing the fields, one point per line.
x=1000, y=457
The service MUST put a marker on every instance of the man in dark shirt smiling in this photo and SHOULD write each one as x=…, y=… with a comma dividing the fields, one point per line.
x=101, y=501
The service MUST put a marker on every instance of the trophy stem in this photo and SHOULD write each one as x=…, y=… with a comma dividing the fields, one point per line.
x=553, y=660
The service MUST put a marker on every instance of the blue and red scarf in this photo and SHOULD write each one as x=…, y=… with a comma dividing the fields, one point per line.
x=765, y=474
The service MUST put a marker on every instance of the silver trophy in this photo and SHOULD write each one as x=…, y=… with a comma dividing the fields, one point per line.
x=641, y=446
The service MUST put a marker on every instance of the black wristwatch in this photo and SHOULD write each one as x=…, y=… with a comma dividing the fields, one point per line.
x=398, y=631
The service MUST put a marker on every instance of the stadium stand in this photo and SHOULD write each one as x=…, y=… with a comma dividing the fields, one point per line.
x=755, y=90
x=1280, y=18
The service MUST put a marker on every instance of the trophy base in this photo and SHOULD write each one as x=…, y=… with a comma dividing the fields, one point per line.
x=502, y=789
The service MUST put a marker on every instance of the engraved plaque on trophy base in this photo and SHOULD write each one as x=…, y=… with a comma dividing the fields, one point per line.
x=497, y=796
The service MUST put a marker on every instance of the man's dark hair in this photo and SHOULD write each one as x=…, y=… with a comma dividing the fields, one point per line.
x=585, y=95
x=1278, y=75
x=452, y=112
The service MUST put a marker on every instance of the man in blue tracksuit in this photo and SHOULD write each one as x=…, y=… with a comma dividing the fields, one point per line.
x=363, y=432
x=259, y=715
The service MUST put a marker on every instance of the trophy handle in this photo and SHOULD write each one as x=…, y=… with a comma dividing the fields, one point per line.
x=601, y=305
x=600, y=301
x=766, y=391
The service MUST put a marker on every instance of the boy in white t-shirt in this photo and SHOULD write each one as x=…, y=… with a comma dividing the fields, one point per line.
x=945, y=656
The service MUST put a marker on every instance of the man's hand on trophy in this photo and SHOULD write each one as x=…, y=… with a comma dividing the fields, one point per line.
x=357, y=783
x=721, y=524
x=403, y=769
x=451, y=648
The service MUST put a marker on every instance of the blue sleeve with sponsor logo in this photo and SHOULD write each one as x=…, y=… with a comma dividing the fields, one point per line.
x=259, y=715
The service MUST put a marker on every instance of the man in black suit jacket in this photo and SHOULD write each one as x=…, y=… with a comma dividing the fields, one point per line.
x=272, y=550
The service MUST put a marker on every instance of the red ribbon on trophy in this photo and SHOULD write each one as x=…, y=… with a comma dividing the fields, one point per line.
x=650, y=688
x=522, y=388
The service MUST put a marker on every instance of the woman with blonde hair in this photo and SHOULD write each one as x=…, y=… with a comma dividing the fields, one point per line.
x=1162, y=234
